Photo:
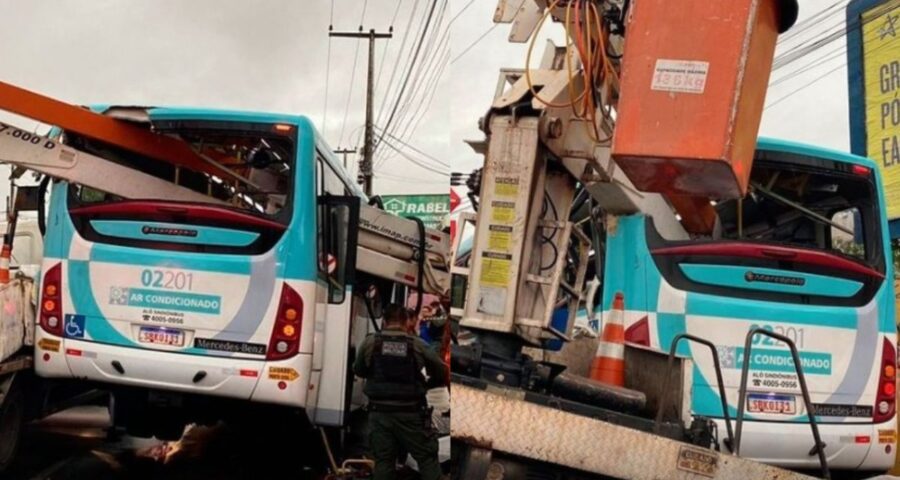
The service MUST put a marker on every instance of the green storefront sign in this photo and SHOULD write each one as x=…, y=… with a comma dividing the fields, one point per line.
x=430, y=208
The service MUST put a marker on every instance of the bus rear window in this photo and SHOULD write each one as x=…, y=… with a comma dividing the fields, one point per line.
x=820, y=205
x=261, y=159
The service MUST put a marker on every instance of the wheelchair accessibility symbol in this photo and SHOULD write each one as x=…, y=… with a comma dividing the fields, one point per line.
x=74, y=326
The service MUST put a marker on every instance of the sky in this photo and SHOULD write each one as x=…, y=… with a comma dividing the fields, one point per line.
x=272, y=56
x=815, y=114
x=249, y=55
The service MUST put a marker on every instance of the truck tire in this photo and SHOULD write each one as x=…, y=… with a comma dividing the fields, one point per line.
x=12, y=414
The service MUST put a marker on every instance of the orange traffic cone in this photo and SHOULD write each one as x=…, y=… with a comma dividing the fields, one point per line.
x=4, y=264
x=609, y=362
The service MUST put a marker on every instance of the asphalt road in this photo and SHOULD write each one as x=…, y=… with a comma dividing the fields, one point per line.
x=74, y=445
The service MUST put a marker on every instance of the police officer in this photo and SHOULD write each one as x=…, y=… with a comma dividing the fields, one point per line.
x=392, y=361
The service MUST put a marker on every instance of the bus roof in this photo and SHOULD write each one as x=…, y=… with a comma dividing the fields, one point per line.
x=787, y=146
x=213, y=114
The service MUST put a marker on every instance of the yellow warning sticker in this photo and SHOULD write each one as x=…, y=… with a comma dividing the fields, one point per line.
x=503, y=212
x=48, y=344
x=495, y=269
x=283, y=373
x=887, y=436
x=506, y=186
x=499, y=237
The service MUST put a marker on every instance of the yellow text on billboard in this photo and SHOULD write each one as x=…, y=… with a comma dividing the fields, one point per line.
x=881, y=60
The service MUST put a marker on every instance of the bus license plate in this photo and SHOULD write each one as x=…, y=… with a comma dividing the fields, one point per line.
x=161, y=336
x=771, y=403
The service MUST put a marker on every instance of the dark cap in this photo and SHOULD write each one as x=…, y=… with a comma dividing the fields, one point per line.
x=787, y=15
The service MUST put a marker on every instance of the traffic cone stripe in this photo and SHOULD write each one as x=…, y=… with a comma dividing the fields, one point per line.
x=611, y=350
x=609, y=362
x=613, y=332
x=4, y=264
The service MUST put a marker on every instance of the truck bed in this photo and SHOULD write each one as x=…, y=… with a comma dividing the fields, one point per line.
x=503, y=420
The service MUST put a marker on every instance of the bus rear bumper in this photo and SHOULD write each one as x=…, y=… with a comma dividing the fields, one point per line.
x=282, y=382
x=848, y=446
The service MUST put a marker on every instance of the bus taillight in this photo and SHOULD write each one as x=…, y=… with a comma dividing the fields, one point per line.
x=285, y=341
x=885, y=400
x=51, y=303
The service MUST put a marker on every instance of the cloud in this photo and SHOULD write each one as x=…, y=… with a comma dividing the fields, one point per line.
x=233, y=54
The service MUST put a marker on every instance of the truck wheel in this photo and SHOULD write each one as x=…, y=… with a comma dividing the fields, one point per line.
x=12, y=414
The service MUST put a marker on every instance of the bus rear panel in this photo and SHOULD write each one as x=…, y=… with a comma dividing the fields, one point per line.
x=805, y=255
x=210, y=300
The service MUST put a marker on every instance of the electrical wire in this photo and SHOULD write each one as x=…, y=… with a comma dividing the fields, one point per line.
x=420, y=152
x=362, y=19
x=461, y=11
x=387, y=45
x=415, y=57
x=414, y=160
x=323, y=126
x=824, y=60
x=471, y=45
x=421, y=97
x=437, y=42
x=400, y=55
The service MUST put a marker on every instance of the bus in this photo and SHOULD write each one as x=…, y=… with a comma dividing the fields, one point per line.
x=190, y=312
x=805, y=254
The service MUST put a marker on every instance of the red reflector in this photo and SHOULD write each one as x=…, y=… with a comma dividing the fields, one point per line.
x=639, y=332
x=46, y=357
x=73, y=352
x=861, y=170
x=249, y=373
x=409, y=277
x=862, y=439
x=282, y=385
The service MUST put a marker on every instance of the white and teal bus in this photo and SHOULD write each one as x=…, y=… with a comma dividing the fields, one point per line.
x=188, y=310
x=806, y=255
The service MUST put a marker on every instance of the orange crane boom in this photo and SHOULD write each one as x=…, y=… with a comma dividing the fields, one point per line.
x=105, y=129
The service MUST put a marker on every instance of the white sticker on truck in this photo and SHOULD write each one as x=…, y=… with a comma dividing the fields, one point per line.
x=682, y=76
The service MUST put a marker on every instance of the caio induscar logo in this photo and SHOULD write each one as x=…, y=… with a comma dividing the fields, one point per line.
x=170, y=231
x=752, y=276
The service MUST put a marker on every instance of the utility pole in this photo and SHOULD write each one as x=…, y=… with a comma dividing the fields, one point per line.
x=365, y=166
x=345, y=151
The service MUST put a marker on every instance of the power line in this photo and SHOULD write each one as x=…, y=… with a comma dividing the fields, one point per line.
x=810, y=22
x=426, y=71
x=828, y=37
x=349, y=95
x=362, y=18
x=466, y=50
x=461, y=11
x=324, y=125
x=409, y=72
x=838, y=53
x=424, y=106
x=420, y=152
x=402, y=178
x=833, y=33
x=414, y=71
x=384, y=55
x=406, y=31
x=414, y=160
x=820, y=78
x=842, y=65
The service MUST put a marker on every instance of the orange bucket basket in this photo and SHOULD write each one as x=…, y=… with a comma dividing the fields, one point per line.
x=694, y=79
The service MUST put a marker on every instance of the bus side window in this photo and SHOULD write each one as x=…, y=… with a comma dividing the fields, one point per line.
x=336, y=238
x=338, y=215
